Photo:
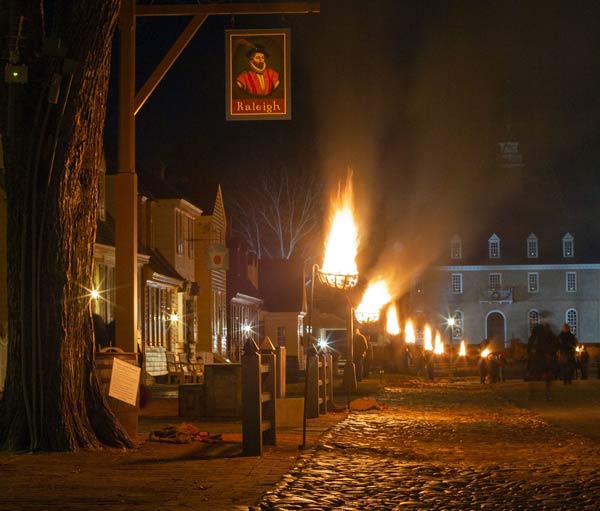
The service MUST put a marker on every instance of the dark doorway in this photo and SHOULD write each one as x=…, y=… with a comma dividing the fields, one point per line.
x=495, y=327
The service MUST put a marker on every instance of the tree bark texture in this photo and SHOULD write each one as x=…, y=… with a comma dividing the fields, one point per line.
x=52, y=129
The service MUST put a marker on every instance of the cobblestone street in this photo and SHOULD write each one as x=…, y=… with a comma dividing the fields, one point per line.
x=445, y=446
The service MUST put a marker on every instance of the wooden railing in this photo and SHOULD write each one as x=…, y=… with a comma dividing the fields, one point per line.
x=319, y=395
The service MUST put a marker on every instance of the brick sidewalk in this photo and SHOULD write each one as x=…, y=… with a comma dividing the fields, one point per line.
x=156, y=475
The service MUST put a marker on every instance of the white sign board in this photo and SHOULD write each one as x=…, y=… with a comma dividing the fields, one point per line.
x=124, y=381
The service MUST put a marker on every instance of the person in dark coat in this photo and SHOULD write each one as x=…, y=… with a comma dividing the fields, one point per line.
x=359, y=352
x=542, y=348
x=584, y=363
x=566, y=349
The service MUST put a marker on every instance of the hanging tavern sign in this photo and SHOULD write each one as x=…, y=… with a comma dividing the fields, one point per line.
x=258, y=75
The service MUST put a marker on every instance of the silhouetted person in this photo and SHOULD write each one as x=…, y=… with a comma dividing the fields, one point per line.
x=566, y=347
x=483, y=369
x=541, y=350
x=359, y=349
x=584, y=362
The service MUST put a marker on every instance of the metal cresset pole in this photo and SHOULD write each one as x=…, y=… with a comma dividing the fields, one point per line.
x=308, y=335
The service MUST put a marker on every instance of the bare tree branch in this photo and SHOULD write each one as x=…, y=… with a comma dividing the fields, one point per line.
x=283, y=208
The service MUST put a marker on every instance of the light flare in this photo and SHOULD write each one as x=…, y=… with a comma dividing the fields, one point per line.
x=392, y=326
x=462, y=352
x=485, y=353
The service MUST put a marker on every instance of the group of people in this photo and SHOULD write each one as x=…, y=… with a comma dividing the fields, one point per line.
x=491, y=367
x=551, y=356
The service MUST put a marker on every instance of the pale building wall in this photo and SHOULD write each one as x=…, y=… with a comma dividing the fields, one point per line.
x=287, y=320
x=552, y=300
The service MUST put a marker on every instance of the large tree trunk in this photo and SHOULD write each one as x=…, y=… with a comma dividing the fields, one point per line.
x=53, y=146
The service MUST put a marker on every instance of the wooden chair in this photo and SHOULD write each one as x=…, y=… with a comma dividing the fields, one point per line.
x=175, y=373
x=192, y=370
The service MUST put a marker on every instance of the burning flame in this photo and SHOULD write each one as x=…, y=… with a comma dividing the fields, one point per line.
x=427, y=346
x=342, y=242
x=392, y=325
x=485, y=353
x=409, y=333
x=462, y=352
x=439, y=345
x=375, y=297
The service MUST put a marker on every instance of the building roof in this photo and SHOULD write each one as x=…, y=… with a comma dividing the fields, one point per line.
x=156, y=187
x=513, y=229
x=160, y=265
x=281, y=283
x=105, y=234
x=237, y=276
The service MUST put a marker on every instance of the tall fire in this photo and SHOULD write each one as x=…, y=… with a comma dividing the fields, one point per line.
x=375, y=297
x=339, y=265
x=409, y=333
x=392, y=325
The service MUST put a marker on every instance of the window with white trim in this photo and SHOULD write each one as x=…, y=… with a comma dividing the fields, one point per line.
x=533, y=319
x=571, y=320
x=190, y=237
x=457, y=284
x=179, y=236
x=568, y=245
x=495, y=281
x=455, y=247
x=571, y=281
x=533, y=282
x=532, y=246
x=494, y=247
x=457, y=328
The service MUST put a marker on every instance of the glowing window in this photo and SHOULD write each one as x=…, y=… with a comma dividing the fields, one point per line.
x=457, y=283
x=494, y=247
x=532, y=246
x=533, y=282
x=495, y=281
x=533, y=319
x=456, y=247
x=568, y=243
x=457, y=328
x=571, y=320
x=571, y=281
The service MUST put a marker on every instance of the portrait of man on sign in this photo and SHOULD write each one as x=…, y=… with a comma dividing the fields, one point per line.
x=258, y=79
x=258, y=74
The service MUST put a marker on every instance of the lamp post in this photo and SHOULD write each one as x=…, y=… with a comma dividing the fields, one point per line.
x=343, y=282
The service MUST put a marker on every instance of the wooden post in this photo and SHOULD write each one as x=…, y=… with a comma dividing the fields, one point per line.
x=251, y=400
x=312, y=375
x=268, y=391
x=281, y=371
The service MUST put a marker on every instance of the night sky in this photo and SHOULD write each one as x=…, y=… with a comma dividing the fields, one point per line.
x=413, y=95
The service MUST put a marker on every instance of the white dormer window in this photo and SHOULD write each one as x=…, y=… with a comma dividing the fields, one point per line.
x=456, y=247
x=494, y=247
x=532, y=246
x=568, y=243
